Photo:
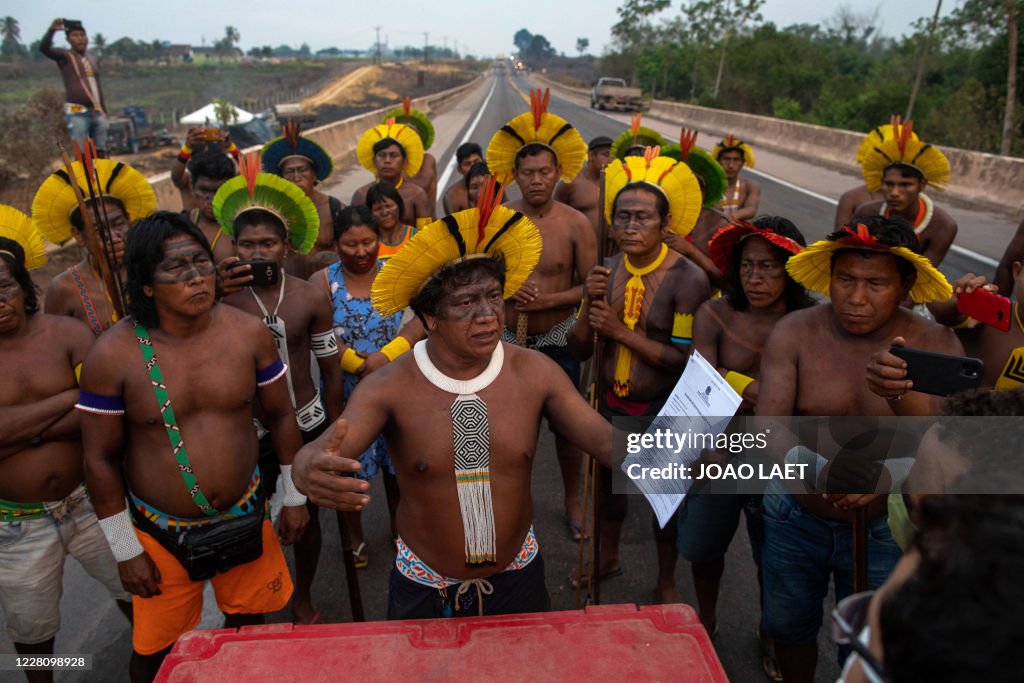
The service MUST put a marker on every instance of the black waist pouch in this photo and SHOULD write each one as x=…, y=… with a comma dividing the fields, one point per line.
x=215, y=548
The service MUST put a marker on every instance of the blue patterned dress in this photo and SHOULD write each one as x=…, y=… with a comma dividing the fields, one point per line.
x=358, y=325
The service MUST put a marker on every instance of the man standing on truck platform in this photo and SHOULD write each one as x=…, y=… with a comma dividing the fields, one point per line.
x=84, y=110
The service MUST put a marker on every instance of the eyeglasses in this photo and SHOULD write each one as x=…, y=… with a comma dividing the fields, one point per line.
x=848, y=621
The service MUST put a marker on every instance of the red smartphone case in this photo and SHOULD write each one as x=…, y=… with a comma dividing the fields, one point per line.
x=986, y=307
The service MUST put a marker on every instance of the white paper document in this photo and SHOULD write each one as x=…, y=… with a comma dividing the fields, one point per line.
x=701, y=402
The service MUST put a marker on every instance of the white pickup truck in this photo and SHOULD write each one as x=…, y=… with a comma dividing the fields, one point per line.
x=613, y=93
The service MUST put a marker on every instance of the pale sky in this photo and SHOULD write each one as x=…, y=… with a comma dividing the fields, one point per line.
x=472, y=24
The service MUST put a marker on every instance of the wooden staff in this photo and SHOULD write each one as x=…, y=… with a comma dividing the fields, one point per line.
x=860, y=549
x=355, y=597
x=597, y=397
x=92, y=240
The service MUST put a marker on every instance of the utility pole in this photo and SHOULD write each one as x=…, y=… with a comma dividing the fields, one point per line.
x=377, y=51
x=426, y=39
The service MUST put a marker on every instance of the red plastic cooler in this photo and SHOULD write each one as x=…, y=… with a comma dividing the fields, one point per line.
x=603, y=643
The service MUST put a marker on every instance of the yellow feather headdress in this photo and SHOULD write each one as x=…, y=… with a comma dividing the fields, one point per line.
x=812, y=267
x=673, y=179
x=403, y=134
x=488, y=230
x=14, y=225
x=55, y=200
x=876, y=136
x=731, y=142
x=541, y=126
x=902, y=147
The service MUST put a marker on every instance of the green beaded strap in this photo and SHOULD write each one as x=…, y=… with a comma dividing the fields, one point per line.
x=156, y=378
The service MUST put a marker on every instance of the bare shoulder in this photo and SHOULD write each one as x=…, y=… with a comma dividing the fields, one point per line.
x=688, y=275
x=532, y=366
x=571, y=216
x=925, y=334
x=869, y=208
x=713, y=310
x=802, y=321
x=112, y=347
x=242, y=323
x=753, y=184
x=64, y=327
x=941, y=218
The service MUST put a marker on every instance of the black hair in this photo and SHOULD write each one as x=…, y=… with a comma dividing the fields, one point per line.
x=252, y=217
x=352, y=217
x=661, y=201
x=429, y=299
x=76, y=214
x=381, y=145
x=906, y=170
x=971, y=550
x=16, y=264
x=466, y=150
x=532, y=150
x=794, y=294
x=213, y=164
x=144, y=250
x=384, y=190
x=892, y=231
x=635, y=151
x=477, y=169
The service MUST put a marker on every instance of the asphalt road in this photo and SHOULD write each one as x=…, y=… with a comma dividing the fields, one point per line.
x=91, y=624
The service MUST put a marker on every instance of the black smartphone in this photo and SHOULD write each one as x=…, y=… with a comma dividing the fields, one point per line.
x=263, y=272
x=939, y=373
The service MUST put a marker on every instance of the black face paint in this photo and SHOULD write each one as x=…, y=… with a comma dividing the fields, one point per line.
x=477, y=300
x=184, y=260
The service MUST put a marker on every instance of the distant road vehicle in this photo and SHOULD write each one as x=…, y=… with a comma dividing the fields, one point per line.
x=613, y=93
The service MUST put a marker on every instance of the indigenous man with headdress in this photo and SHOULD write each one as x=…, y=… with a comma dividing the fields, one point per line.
x=170, y=451
x=855, y=196
x=199, y=141
x=426, y=178
x=296, y=158
x=584, y=192
x=466, y=542
x=208, y=170
x=393, y=152
x=265, y=223
x=712, y=180
x=814, y=364
x=643, y=305
x=536, y=149
x=742, y=194
x=116, y=195
x=84, y=108
x=45, y=513
x=902, y=166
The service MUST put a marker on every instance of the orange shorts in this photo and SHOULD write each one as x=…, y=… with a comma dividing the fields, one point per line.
x=262, y=585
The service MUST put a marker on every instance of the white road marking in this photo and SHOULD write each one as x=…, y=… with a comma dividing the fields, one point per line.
x=450, y=168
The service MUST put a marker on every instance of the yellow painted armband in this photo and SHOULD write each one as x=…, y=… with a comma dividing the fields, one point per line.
x=682, y=328
x=738, y=381
x=351, y=361
x=396, y=347
x=966, y=322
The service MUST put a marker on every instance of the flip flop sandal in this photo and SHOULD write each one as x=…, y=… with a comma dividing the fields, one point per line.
x=361, y=558
x=768, y=661
x=575, y=530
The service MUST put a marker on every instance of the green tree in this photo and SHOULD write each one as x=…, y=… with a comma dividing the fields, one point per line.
x=99, y=43
x=729, y=16
x=582, y=44
x=522, y=40
x=225, y=113
x=10, y=29
x=231, y=36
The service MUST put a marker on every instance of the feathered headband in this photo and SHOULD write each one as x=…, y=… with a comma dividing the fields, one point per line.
x=674, y=180
x=488, y=230
x=876, y=136
x=254, y=190
x=636, y=136
x=731, y=142
x=540, y=126
x=405, y=135
x=901, y=147
x=703, y=165
x=55, y=200
x=14, y=225
x=293, y=144
x=721, y=245
x=812, y=267
x=415, y=118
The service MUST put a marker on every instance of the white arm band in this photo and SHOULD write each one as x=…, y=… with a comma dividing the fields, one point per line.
x=292, y=497
x=323, y=344
x=120, y=533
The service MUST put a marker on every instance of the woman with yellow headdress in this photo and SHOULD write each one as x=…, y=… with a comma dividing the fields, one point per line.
x=116, y=195
x=642, y=305
x=393, y=151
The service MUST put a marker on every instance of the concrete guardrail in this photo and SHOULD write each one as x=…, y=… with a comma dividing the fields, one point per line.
x=994, y=181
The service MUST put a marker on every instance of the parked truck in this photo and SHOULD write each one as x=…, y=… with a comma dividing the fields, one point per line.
x=613, y=93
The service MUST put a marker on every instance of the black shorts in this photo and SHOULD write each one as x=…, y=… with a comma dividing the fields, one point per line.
x=515, y=592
